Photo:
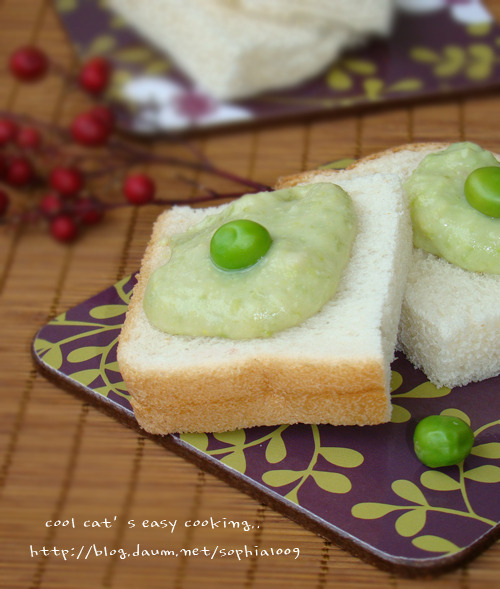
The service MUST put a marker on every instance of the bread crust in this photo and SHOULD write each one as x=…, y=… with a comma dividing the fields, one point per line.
x=308, y=176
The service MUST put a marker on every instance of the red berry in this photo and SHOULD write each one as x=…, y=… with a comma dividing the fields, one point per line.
x=67, y=181
x=105, y=115
x=88, y=210
x=89, y=130
x=63, y=228
x=28, y=64
x=19, y=172
x=139, y=189
x=8, y=130
x=94, y=75
x=4, y=202
x=28, y=138
x=51, y=204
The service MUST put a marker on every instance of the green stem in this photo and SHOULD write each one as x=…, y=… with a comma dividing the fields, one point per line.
x=463, y=514
x=463, y=490
x=101, y=329
x=102, y=365
x=481, y=429
x=248, y=444
x=121, y=293
x=312, y=463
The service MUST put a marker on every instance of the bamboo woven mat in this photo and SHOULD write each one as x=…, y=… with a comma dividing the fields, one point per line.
x=62, y=459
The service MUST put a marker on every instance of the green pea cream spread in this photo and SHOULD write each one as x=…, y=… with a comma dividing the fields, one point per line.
x=312, y=229
x=444, y=223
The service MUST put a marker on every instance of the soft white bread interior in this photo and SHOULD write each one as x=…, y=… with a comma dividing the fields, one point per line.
x=232, y=52
x=450, y=318
x=332, y=368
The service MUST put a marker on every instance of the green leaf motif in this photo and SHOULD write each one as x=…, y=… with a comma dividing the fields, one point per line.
x=138, y=54
x=236, y=460
x=86, y=377
x=400, y=414
x=426, y=390
x=158, y=66
x=435, y=544
x=114, y=366
x=280, y=478
x=293, y=495
x=479, y=29
x=406, y=85
x=484, y=474
x=235, y=438
x=490, y=450
x=333, y=482
x=411, y=522
x=345, y=457
x=409, y=491
x=119, y=79
x=396, y=380
x=120, y=388
x=119, y=286
x=339, y=80
x=84, y=354
x=373, y=88
x=482, y=52
x=60, y=318
x=42, y=345
x=424, y=55
x=452, y=412
x=452, y=62
x=66, y=5
x=479, y=71
x=371, y=510
x=53, y=357
x=439, y=481
x=362, y=67
x=101, y=44
x=199, y=440
x=108, y=311
x=276, y=449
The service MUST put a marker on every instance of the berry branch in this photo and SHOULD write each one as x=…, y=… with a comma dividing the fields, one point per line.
x=54, y=167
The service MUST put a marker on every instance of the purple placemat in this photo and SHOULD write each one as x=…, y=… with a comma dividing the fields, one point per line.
x=448, y=47
x=361, y=487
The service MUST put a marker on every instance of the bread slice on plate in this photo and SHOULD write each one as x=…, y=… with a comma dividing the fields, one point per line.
x=332, y=368
x=233, y=53
x=450, y=317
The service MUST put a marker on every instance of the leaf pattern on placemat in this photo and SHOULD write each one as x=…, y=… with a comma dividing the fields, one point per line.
x=425, y=511
x=72, y=343
x=421, y=510
x=366, y=481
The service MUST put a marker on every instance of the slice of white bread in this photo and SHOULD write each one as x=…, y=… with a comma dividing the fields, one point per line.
x=233, y=53
x=450, y=318
x=332, y=368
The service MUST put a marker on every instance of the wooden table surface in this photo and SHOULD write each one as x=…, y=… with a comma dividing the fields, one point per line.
x=61, y=458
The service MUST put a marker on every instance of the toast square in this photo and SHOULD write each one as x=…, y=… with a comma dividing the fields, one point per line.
x=332, y=368
x=450, y=319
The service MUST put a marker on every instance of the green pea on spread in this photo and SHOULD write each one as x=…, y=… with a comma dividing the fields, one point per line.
x=445, y=223
x=311, y=228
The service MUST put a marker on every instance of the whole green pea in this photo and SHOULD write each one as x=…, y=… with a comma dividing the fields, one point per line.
x=239, y=244
x=482, y=190
x=442, y=440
